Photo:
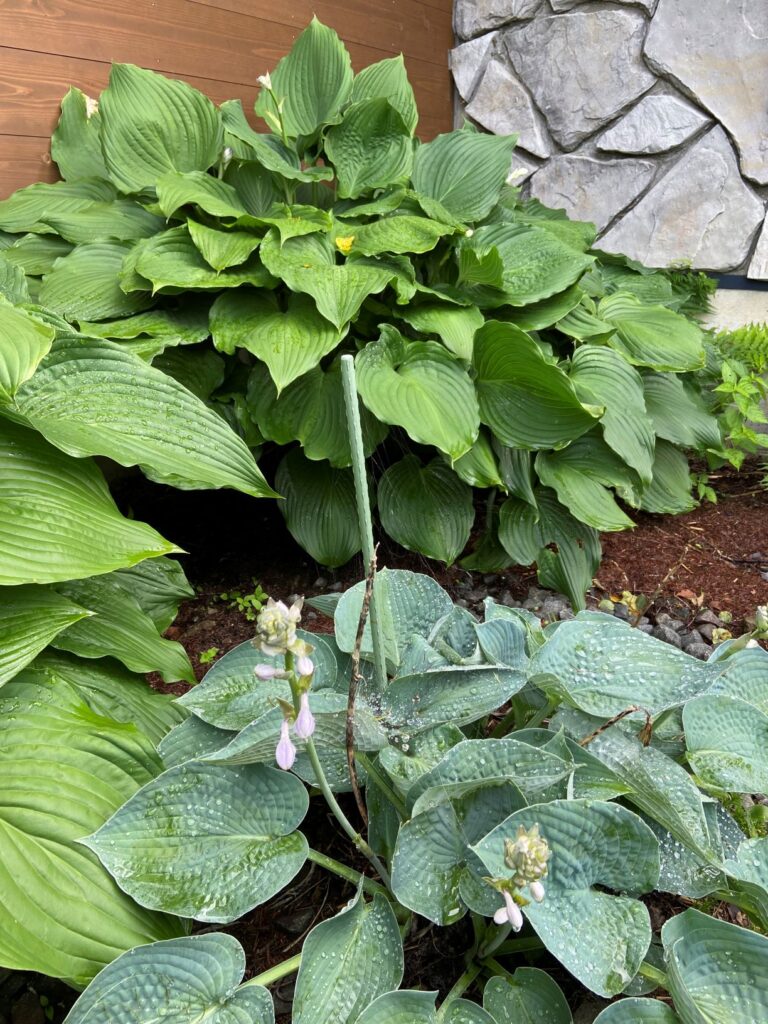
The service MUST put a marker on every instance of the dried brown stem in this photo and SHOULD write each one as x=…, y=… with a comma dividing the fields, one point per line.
x=645, y=732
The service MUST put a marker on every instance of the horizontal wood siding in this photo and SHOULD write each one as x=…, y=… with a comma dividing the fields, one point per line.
x=219, y=46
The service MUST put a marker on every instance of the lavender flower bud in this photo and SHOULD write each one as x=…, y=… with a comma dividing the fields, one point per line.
x=266, y=672
x=510, y=913
x=305, y=721
x=304, y=666
x=536, y=889
x=285, y=753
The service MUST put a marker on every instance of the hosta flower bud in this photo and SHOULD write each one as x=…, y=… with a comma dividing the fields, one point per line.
x=510, y=913
x=536, y=889
x=266, y=672
x=304, y=665
x=265, y=81
x=527, y=856
x=227, y=154
x=276, y=626
x=285, y=753
x=305, y=721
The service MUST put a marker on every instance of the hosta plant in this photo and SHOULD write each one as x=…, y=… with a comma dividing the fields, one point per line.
x=497, y=349
x=541, y=782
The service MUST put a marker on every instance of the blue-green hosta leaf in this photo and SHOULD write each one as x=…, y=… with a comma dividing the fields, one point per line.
x=207, y=841
x=528, y=995
x=669, y=492
x=463, y=1011
x=420, y=387
x=426, y=508
x=24, y=341
x=178, y=981
x=347, y=962
x=678, y=413
x=311, y=410
x=209, y=194
x=172, y=260
x=600, y=938
x=27, y=208
x=389, y=79
x=479, y=467
x=76, y=141
x=405, y=763
x=527, y=401
x=465, y=171
x=57, y=518
x=13, y=283
x=312, y=82
x=715, y=970
x=603, y=377
x=157, y=423
x=403, y=1007
x=502, y=642
x=727, y=742
x=370, y=148
x=408, y=604
x=222, y=249
x=546, y=312
x=400, y=233
x=319, y=508
x=638, y=1011
x=64, y=772
x=267, y=150
x=30, y=617
x=290, y=341
x=652, y=335
x=589, y=778
x=192, y=740
x=748, y=871
x=159, y=585
x=151, y=125
x=85, y=285
x=745, y=676
x=454, y=325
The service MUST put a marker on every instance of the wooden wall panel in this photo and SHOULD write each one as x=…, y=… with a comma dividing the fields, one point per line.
x=219, y=46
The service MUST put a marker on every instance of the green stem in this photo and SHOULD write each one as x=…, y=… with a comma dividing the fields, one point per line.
x=275, y=973
x=494, y=941
x=519, y=946
x=461, y=985
x=355, y=877
x=653, y=974
x=377, y=777
x=536, y=719
x=507, y=723
x=495, y=968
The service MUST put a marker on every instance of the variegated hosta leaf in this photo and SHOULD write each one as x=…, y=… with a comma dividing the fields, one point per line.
x=370, y=148
x=638, y=1011
x=528, y=995
x=600, y=938
x=207, y=841
x=727, y=743
x=179, y=981
x=464, y=171
x=403, y=1007
x=652, y=336
x=347, y=962
x=716, y=970
x=30, y=617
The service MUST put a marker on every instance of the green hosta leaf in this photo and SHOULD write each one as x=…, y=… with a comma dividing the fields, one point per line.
x=240, y=821
x=404, y=1007
x=311, y=411
x=291, y=221
x=256, y=187
x=57, y=518
x=290, y=341
x=581, y=476
x=27, y=208
x=388, y=79
x=157, y=423
x=669, y=491
x=33, y=254
x=13, y=283
x=370, y=148
x=603, y=377
x=638, y=1011
x=200, y=370
x=222, y=249
x=715, y=970
x=319, y=508
x=30, y=617
x=268, y=150
x=454, y=325
x=172, y=260
x=408, y=604
x=155, y=329
x=546, y=312
x=600, y=938
x=465, y=171
x=652, y=335
x=347, y=962
x=119, y=628
x=313, y=82
x=151, y=124
x=479, y=466
x=462, y=1011
x=159, y=585
x=678, y=413
x=64, y=773
x=197, y=188
x=399, y=233
x=419, y=386
x=121, y=220
x=85, y=286
x=180, y=981
x=24, y=341
x=528, y=995
x=426, y=509
x=76, y=141
x=726, y=741
x=527, y=401
x=582, y=324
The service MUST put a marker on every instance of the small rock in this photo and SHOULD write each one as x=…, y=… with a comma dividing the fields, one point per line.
x=701, y=651
x=311, y=616
x=337, y=586
x=551, y=608
x=621, y=611
x=706, y=629
x=647, y=628
x=508, y=600
x=565, y=613
x=467, y=63
x=669, y=636
x=476, y=595
x=320, y=582
x=707, y=615
x=461, y=603
x=489, y=579
x=643, y=620
x=690, y=636
x=471, y=17
x=521, y=168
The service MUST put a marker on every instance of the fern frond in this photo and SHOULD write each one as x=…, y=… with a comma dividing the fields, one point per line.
x=748, y=344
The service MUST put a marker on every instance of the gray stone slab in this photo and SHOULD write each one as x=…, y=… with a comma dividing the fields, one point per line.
x=717, y=50
x=582, y=68
x=655, y=124
x=758, y=265
x=502, y=104
x=471, y=17
x=591, y=189
x=700, y=212
x=567, y=5
x=467, y=62
x=521, y=168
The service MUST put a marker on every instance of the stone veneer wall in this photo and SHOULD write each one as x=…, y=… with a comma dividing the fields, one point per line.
x=648, y=117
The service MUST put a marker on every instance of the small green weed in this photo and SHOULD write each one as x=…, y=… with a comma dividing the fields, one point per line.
x=249, y=604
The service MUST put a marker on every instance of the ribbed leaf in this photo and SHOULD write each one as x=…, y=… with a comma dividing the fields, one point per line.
x=371, y=148
x=638, y=1011
x=255, y=185
x=24, y=341
x=13, y=283
x=30, y=617
x=670, y=489
x=454, y=325
x=222, y=249
x=27, y=209
x=546, y=312
x=479, y=466
x=197, y=188
x=528, y=995
x=388, y=78
x=403, y=1007
x=727, y=743
x=159, y=585
x=34, y=254
x=268, y=150
x=120, y=220
x=678, y=413
x=652, y=335
x=400, y=233
x=76, y=141
x=147, y=334
x=85, y=286
x=172, y=260
x=465, y=171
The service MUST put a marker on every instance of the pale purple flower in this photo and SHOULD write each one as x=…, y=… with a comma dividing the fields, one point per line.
x=266, y=672
x=305, y=722
x=304, y=665
x=509, y=913
x=536, y=889
x=285, y=754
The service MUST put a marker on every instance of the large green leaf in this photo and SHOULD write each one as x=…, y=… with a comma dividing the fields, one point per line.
x=30, y=617
x=370, y=148
x=268, y=150
x=159, y=585
x=727, y=743
x=222, y=250
x=388, y=78
x=211, y=195
x=76, y=141
x=347, y=962
x=311, y=84
x=207, y=841
x=526, y=400
x=419, y=386
x=464, y=171
x=678, y=413
x=13, y=283
x=24, y=341
x=546, y=312
x=600, y=938
x=426, y=509
x=148, y=334
x=172, y=260
x=121, y=220
x=403, y=1007
x=57, y=519
x=455, y=325
x=28, y=208
x=319, y=508
x=400, y=233
x=480, y=467
x=34, y=254
x=179, y=981
x=652, y=335
x=290, y=340
x=669, y=492
x=638, y=1011
x=156, y=423
x=64, y=773
x=151, y=124
x=84, y=285
x=528, y=995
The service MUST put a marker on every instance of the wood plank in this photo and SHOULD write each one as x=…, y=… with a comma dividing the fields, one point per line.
x=22, y=161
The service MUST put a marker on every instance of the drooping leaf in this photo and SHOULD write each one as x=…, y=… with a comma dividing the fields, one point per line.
x=172, y=260
x=638, y=1011
x=156, y=329
x=454, y=325
x=370, y=148
x=669, y=491
x=479, y=466
x=121, y=220
x=24, y=341
x=76, y=141
x=222, y=249
x=159, y=585
x=85, y=285
x=726, y=739
x=400, y=233
x=464, y=171
x=546, y=312
x=652, y=336
x=210, y=194
x=529, y=994
x=389, y=79
x=268, y=150
x=32, y=254
x=27, y=208
x=30, y=617
x=678, y=413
